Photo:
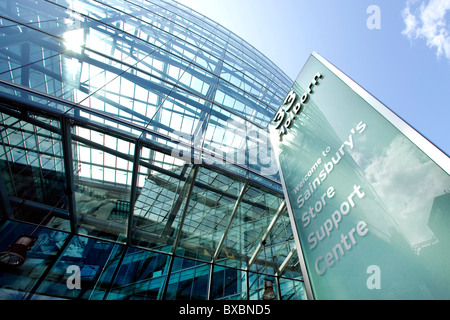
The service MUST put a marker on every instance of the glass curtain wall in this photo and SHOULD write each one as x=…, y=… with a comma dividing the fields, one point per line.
x=134, y=145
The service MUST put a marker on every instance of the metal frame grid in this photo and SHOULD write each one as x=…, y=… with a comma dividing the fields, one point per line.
x=145, y=118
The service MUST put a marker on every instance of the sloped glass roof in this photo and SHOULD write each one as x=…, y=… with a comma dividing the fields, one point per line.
x=144, y=123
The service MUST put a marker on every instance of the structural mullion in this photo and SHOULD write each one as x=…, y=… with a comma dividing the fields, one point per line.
x=230, y=221
x=134, y=181
x=191, y=180
x=266, y=234
x=5, y=205
x=284, y=264
x=66, y=139
x=53, y=261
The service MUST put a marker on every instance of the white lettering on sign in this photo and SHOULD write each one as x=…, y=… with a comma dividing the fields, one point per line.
x=292, y=106
x=325, y=231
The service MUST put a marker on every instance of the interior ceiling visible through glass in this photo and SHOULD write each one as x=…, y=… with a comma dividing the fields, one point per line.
x=149, y=121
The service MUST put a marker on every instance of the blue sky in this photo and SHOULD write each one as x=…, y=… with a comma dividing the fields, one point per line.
x=405, y=64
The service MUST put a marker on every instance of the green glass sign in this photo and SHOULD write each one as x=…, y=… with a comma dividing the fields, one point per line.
x=368, y=197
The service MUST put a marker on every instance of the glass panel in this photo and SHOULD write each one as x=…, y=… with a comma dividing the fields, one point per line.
x=77, y=272
x=141, y=276
x=33, y=157
x=225, y=140
x=240, y=102
x=124, y=68
x=278, y=245
x=256, y=285
x=161, y=200
x=261, y=157
x=35, y=100
x=210, y=207
x=16, y=282
x=182, y=116
x=31, y=164
x=292, y=269
x=102, y=176
x=197, y=81
x=39, y=60
x=228, y=284
x=292, y=289
x=255, y=213
x=122, y=94
x=188, y=281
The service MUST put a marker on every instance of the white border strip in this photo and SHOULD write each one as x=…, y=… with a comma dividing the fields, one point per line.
x=437, y=155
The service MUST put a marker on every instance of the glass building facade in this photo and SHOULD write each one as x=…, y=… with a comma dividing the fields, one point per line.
x=135, y=146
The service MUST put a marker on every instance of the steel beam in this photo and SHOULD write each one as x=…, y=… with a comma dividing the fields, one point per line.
x=191, y=180
x=266, y=234
x=230, y=221
x=284, y=264
x=134, y=180
x=66, y=139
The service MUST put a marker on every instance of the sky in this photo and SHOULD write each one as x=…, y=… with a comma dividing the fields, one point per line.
x=399, y=50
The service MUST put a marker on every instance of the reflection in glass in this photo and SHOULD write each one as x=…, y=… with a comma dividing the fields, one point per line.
x=188, y=280
x=257, y=286
x=89, y=257
x=17, y=282
x=141, y=276
x=228, y=284
x=104, y=104
x=291, y=289
x=103, y=184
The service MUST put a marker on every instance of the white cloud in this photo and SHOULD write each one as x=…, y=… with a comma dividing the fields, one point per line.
x=407, y=181
x=427, y=20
